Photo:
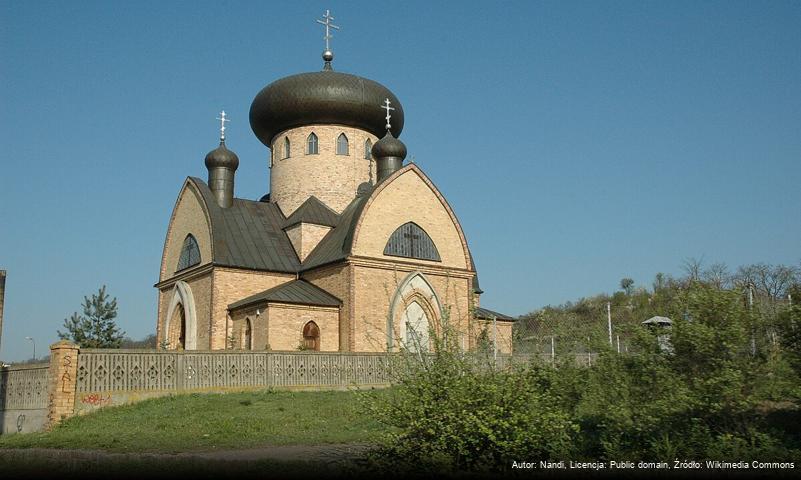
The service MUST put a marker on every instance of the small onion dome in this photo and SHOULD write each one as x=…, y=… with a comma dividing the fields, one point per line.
x=222, y=157
x=389, y=146
x=326, y=97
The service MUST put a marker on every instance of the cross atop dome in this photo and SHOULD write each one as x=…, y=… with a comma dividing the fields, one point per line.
x=328, y=55
x=386, y=106
x=222, y=120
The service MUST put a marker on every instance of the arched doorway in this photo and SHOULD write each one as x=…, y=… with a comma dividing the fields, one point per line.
x=248, y=341
x=311, y=337
x=180, y=331
x=415, y=328
x=176, y=337
x=414, y=312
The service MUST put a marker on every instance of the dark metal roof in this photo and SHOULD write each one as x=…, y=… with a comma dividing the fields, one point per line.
x=389, y=146
x=298, y=292
x=487, y=314
x=222, y=157
x=248, y=234
x=337, y=244
x=325, y=97
x=313, y=211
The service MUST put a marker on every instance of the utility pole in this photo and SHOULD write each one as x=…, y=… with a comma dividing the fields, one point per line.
x=609, y=320
x=2, y=301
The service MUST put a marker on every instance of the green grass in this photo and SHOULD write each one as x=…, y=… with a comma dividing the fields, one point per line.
x=199, y=422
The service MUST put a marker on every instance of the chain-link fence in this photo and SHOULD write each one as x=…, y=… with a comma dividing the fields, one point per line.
x=581, y=331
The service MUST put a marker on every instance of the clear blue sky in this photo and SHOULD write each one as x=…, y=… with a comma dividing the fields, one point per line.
x=578, y=142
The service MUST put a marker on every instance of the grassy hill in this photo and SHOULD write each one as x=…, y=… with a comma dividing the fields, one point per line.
x=198, y=422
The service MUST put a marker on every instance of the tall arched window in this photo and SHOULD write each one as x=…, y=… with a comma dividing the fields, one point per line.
x=368, y=147
x=411, y=241
x=190, y=253
x=311, y=144
x=248, y=343
x=342, y=144
x=286, y=147
x=311, y=336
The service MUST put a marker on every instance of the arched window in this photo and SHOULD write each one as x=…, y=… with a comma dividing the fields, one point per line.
x=190, y=254
x=311, y=337
x=342, y=144
x=311, y=144
x=248, y=343
x=411, y=241
x=368, y=149
x=286, y=147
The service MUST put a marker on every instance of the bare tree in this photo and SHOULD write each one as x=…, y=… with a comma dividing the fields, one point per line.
x=717, y=275
x=692, y=268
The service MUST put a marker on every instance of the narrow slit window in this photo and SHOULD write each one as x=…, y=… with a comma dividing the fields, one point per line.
x=311, y=144
x=342, y=144
x=368, y=147
x=286, y=147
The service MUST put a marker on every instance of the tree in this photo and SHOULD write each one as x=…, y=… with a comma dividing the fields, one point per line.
x=96, y=327
x=627, y=284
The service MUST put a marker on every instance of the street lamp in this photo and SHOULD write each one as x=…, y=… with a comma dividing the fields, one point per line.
x=34, y=346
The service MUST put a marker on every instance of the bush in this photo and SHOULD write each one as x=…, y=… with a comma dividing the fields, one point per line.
x=451, y=412
x=711, y=395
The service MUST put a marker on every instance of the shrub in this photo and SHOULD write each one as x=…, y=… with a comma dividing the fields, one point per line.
x=452, y=411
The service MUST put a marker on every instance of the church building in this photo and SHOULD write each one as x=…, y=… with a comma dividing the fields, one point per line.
x=352, y=250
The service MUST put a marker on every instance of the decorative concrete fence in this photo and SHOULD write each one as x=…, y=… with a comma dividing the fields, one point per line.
x=77, y=381
x=113, y=377
x=23, y=398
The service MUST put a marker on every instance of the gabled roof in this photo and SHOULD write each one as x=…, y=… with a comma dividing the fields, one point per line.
x=313, y=211
x=336, y=245
x=248, y=234
x=298, y=292
x=486, y=314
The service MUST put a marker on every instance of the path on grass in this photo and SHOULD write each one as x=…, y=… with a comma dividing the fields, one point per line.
x=327, y=454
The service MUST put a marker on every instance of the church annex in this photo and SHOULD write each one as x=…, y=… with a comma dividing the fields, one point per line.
x=352, y=250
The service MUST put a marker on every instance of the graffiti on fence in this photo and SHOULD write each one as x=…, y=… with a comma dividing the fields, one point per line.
x=96, y=399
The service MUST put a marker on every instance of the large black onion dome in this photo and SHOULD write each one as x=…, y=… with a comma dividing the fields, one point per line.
x=389, y=146
x=222, y=157
x=320, y=98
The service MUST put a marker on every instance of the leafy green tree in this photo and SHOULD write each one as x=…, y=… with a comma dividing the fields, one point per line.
x=96, y=328
x=627, y=285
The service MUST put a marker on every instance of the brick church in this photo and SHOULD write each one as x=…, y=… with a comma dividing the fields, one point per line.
x=352, y=250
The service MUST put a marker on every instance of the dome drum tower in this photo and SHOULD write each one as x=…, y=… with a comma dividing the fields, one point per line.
x=327, y=104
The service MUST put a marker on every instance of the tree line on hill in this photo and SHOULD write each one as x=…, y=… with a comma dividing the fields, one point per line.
x=582, y=325
x=721, y=391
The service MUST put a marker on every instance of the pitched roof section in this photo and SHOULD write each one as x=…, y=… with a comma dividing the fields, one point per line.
x=486, y=314
x=313, y=211
x=297, y=292
x=336, y=245
x=248, y=234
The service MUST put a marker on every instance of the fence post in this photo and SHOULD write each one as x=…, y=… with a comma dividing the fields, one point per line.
x=63, y=378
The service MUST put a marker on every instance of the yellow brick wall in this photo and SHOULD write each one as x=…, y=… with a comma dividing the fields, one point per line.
x=201, y=292
x=330, y=177
x=504, y=335
x=281, y=326
x=336, y=281
x=409, y=198
x=375, y=288
x=230, y=285
x=305, y=236
x=188, y=217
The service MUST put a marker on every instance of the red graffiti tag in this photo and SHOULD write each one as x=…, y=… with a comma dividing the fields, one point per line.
x=96, y=399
